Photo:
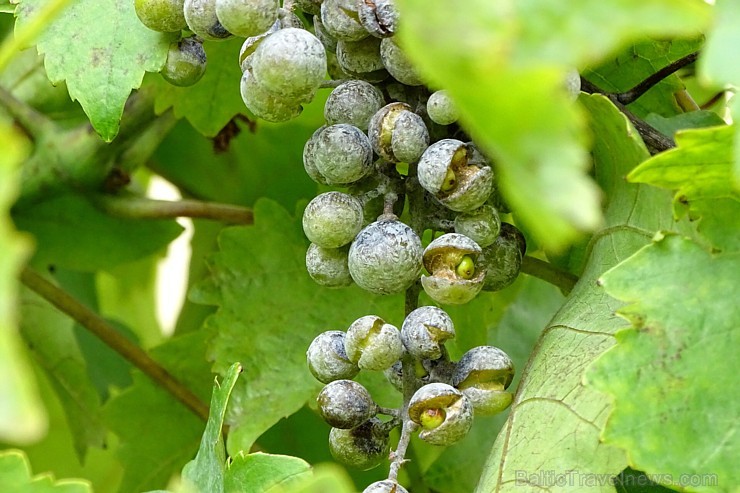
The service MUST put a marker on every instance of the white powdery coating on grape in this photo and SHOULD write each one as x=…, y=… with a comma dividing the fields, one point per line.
x=441, y=109
x=474, y=181
x=161, y=15
x=247, y=17
x=410, y=137
x=450, y=241
x=481, y=225
x=373, y=344
x=362, y=447
x=265, y=105
x=385, y=486
x=342, y=154
x=458, y=412
x=452, y=291
x=186, y=62
x=327, y=359
x=329, y=41
x=345, y=404
x=354, y=102
x=385, y=258
x=360, y=57
x=502, y=261
x=434, y=163
x=380, y=17
x=290, y=63
x=380, y=129
x=483, y=358
x=425, y=330
x=332, y=219
x=328, y=266
x=309, y=164
x=339, y=23
x=397, y=64
x=441, y=258
x=201, y=18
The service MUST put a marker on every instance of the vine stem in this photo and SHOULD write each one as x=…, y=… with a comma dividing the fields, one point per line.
x=113, y=339
x=144, y=208
x=31, y=121
x=631, y=95
x=549, y=273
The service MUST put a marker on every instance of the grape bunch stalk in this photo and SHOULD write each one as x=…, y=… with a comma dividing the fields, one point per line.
x=412, y=204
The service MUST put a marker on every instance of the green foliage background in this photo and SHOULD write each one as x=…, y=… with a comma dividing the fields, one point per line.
x=630, y=375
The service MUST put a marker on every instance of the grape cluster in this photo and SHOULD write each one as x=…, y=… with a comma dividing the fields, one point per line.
x=412, y=201
x=444, y=394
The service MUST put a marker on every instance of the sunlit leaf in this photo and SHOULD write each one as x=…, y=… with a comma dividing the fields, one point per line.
x=676, y=368
x=700, y=169
x=70, y=232
x=21, y=414
x=101, y=62
x=205, y=473
x=15, y=477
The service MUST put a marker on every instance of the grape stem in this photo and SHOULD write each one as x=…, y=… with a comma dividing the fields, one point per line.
x=410, y=384
x=331, y=83
x=389, y=411
x=549, y=273
x=144, y=208
x=113, y=339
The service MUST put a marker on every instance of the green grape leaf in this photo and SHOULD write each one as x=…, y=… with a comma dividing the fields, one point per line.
x=636, y=63
x=262, y=473
x=664, y=371
x=684, y=121
x=70, y=232
x=205, y=473
x=127, y=294
x=50, y=336
x=700, y=168
x=248, y=169
x=21, y=414
x=158, y=434
x=325, y=477
x=15, y=477
x=567, y=415
x=631, y=481
x=215, y=99
x=105, y=368
x=717, y=65
x=101, y=50
x=255, y=322
x=499, y=59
